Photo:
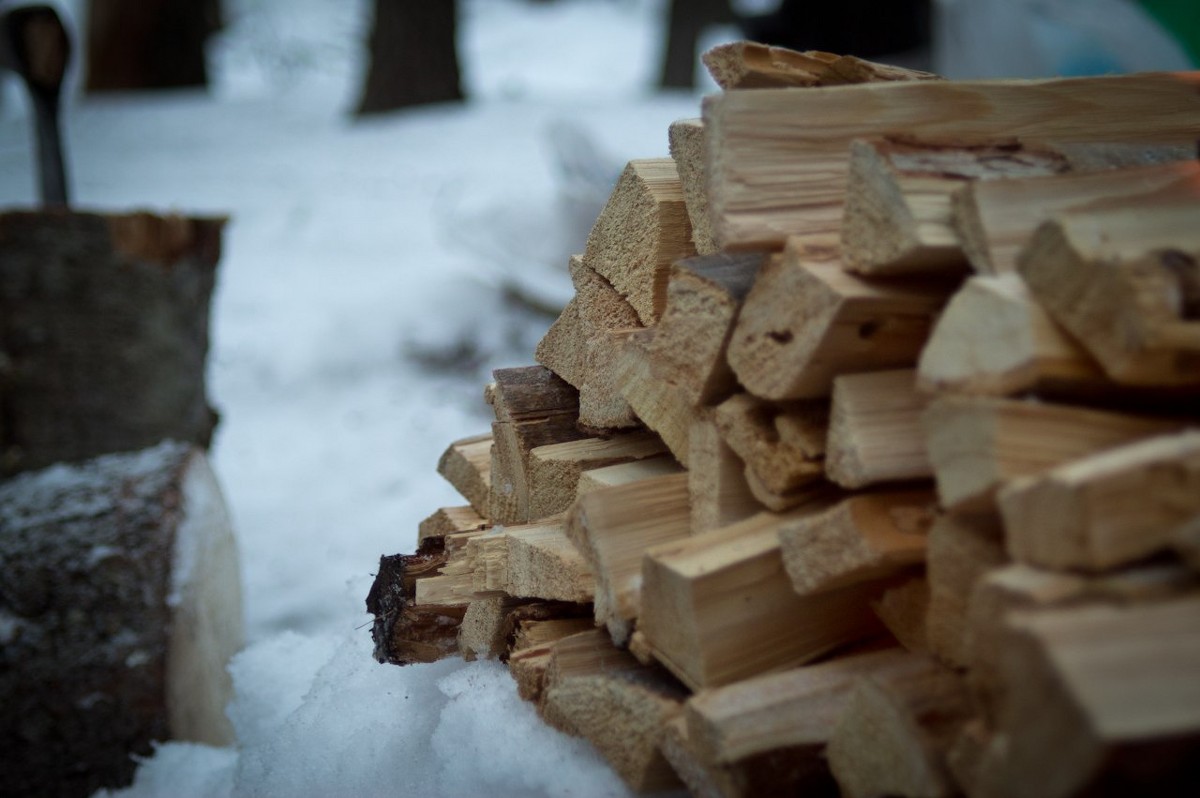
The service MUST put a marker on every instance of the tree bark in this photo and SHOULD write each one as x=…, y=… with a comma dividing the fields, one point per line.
x=414, y=59
x=149, y=44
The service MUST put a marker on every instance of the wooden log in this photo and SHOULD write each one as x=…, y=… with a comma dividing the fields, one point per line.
x=808, y=494
x=625, y=473
x=1100, y=698
x=807, y=321
x=613, y=528
x=782, y=443
x=1187, y=543
x=641, y=231
x=791, y=710
x=687, y=147
x=750, y=65
x=482, y=633
x=898, y=216
x=875, y=432
x=450, y=521
x=451, y=581
x=778, y=158
x=120, y=609
x=961, y=550
x=533, y=408
x=554, y=469
x=719, y=607
x=1106, y=510
x=563, y=349
x=532, y=647
x=704, y=295
x=977, y=444
x=659, y=404
x=716, y=481
x=467, y=465
x=996, y=219
x=104, y=320
x=601, y=693
x=904, y=610
x=486, y=559
x=995, y=339
x=1125, y=282
x=542, y=562
x=864, y=538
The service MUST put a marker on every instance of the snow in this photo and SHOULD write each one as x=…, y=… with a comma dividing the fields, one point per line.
x=363, y=298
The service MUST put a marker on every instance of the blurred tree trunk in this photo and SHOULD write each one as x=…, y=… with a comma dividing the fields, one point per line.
x=686, y=22
x=414, y=58
x=148, y=44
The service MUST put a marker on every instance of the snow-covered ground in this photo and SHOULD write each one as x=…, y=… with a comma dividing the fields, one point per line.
x=357, y=317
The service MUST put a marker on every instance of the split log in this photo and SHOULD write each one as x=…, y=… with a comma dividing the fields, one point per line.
x=894, y=734
x=687, y=147
x=961, y=550
x=898, y=216
x=405, y=632
x=1125, y=282
x=533, y=408
x=450, y=579
x=641, y=231
x=120, y=608
x=486, y=560
x=104, y=334
x=750, y=65
x=613, y=528
x=659, y=404
x=977, y=444
x=450, y=521
x=483, y=629
x=625, y=473
x=704, y=295
x=996, y=219
x=807, y=321
x=563, y=349
x=601, y=693
x=1099, y=698
x=719, y=607
x=554, y=470
x=865, y=538
x=1106, y=510
x=778, y=158
x=875, y=432
x=467, y=465
x=716, y=480
x=496, y=626
x=818, y=490
x=533, y=644
x=783, y=444
x=542, y=562
x=904, y=610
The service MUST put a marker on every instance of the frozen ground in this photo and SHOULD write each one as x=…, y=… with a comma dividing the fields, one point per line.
x=358, y=313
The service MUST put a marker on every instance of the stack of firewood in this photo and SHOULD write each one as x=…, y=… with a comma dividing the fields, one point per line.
x=863, y=458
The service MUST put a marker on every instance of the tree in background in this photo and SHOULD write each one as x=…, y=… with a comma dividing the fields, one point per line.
x=148, y=44
x=686, y=21
x=414, y=58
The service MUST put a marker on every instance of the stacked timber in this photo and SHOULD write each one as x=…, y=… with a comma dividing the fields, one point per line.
x=866, y=457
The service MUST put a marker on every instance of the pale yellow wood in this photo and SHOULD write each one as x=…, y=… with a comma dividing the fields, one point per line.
x=782, y=443
x=482, y=633
x=623, y=474
x=658, y=404
x=896, y=730
x=807, y=321
x=864, y=538
x=961, y=550
x=875, y=432
x=778, y=158
x=978, y=444
x=718, y=607
x=642, y=230
x=1124, y=281
x=486, y=557
x=467, y=465
x=613, y=528
x=532, y=647
x=554, y=470
x=449, y=521
x=750, y=65
x=563, y=349
x=997, y=219
x=542, y=562
x=717, y=485
x=686, y=138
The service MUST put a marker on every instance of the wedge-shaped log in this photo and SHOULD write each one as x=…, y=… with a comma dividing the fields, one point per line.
x=1099, y=698
x=704, y=295
x=961, y=550
x=996, y=219
x=995, y=339
x=613, y=528
x=554, y=469
x=467, y=465
x=1103, y=511
x=782, y=443
x=897, y=729
x=542, y=562
x=1125, y=282
x=864, y=538
x=904, y=610
x=533, y=644
x=750, y=65
x=977, y=444
x=716, y=480
x=898, y=216
x=875, y=432
x=601, y=693
x=450, y=521
x=807, y=321
x=687, y=147
x=563, y=349
x=778, y=158
x=658, y=403
x=641, y=231
x=623, y=474
x=719, y=607
x=483, y=630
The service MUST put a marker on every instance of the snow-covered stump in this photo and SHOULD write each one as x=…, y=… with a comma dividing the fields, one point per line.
x=103, y=333
x=120, y=606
